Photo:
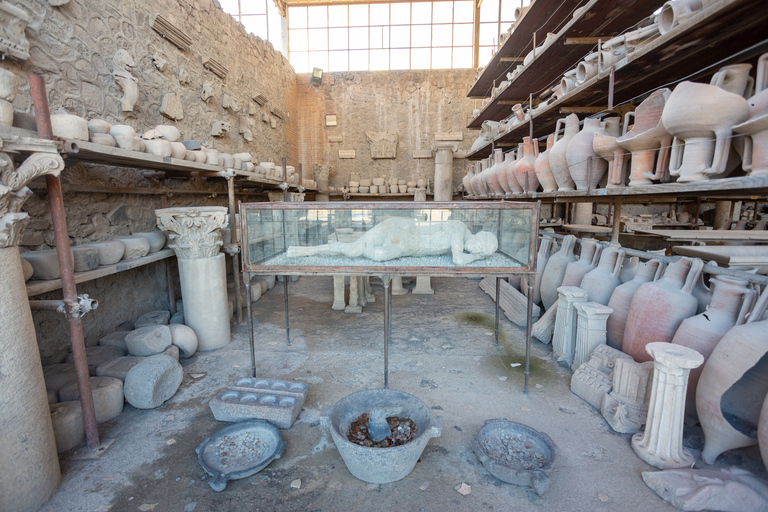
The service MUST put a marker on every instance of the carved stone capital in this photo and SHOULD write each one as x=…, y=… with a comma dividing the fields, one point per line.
x=13, y=23
x=322, y=172
x=194, y=232
x=445, y=145
x=383, y=144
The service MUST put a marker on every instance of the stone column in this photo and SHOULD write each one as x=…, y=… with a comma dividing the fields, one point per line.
x=661, y=444
x=590, y=330
x=444, y=170
x=423, y=286
x=625, y=408
x=322, y=174
x=30, y=466
x=195, y=237
x=582, y=214
x=563, y=337
x=397, y=286
x=338, y=294
x=354, y=296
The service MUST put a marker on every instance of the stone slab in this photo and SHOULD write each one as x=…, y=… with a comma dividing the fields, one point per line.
x=422, y=153
x=347, y=153
x=115, y=339
x=107, y=397
x=68, y=427
x=148, y=341
x=118, y=368
x=153, y=381
x=276, y=401
x=98, y=355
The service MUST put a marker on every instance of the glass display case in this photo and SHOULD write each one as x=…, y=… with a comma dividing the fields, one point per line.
x=438, y=239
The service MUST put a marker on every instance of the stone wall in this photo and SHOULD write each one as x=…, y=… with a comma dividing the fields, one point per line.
x=73, y=46
x=414, y=104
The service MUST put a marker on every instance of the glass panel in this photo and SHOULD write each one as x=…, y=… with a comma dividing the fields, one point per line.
x=508, y=10
x=338, y=61
x=462, y=34
x=400, y=14
x=484, y=55
x=464, y=12
x=379, y=14
x=337, y=16
x=230, y=6
x=338, y=38
x=489, y=35
x=318, y=60
x=318, y=39
x=318, y=16
x=358, y=38
x=377, y=37
x=504, y=28
x=489, y=10
x=420, y=35
x=441, y=58
x=253, y=7
x=297, y=17
x=421, y=12
x=358, y=15
x=462, y=57
x=442, y=12
x=441, y=35
x=275, y=26
x=379, y=60
x=399, y=59
x=255, y=24
x=420, y=58
x=299, y=62
x=400, y=37
x=358, y=60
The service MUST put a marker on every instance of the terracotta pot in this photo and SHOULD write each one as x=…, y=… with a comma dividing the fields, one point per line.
x=568, y=82
x=588, y=258
x=731, y=301
x=701, y=116
x=477, y=181
x=629, y=268
x=675, y=11
x=658, y=308
x=542, y=258
x=524, y=169
x=541, y=166
x=491, y=175
x=600, y=282
x=510, y=172
x=585, y=166
x=558, y=162
x=465, y=180
x=755, y=144
x=762, y=432
x=758, y=103
x=647, y=138
x=621, y=299
x=733, y=384
x=509, y=157
x=605, y=145
x=555, y=270
x=734, y=79
x=587, y=68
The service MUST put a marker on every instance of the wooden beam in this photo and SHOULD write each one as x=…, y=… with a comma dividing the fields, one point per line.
x=512, y=59
x=581, y=110
x=586, y=40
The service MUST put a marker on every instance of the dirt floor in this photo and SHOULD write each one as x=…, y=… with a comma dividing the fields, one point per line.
x=442, y=352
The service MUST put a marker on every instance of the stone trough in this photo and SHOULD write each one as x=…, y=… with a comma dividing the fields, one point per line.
x=276, y=401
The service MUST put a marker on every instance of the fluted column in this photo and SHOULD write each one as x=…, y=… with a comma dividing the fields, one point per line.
x=661, y=444
x=338, y=294
x=590, y=330
x=563, y=337
x=444, y=170
x=30, y=471
x=196, y=238
x=354, y=296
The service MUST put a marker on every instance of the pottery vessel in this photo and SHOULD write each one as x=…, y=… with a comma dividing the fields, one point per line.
x=676, y=11
x=605, y=145
x=477, y=180
x=701, y=117
x=621, y=299
x=755, y=129
x=585, y=166
x=509, y=157
x=587, y=68
x=543, y=171
x=762, y=432
x=629, y=268
x=600, y=282
x=545, y=249
x=734, y=79
x=731, y=301
x=178, y=150
x=588, y=258
x=103, y=139
x=558, y=161
x=568, y=82
x=491, y=178
x=169, y=132
x=158, y=147
x=510, y=171
x=524, y=169
x=647, y=138
x=98, y=126
x=553, y=274
x=67, y=126
x=658, y=308
x=733, y=384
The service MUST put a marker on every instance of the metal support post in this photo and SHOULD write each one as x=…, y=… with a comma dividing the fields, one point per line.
x=387, y=280
x=285, y=295
x=498, y=307
x=235, y=258
x=66, y=264
x=247, y=279
x=168, y=272
x=529, y=313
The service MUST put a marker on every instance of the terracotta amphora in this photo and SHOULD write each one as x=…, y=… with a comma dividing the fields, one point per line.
x=477, y=181
x=588, y=258
x=658, y=308
x=701, y=118
x=647, y=138
x=606, y=146
x=734, y=79
x=731, y=301
x=502, y=174
x=676, y=11
x=491, y=176
x=524, y=169
x=755, y=129
x=542, y=258
x=553, y=274
x=762, y=432
x=558, y=162
x=621, y=298
x=600, y=282
x=585, y=166
x=733, y=384
x=543, y=172
x=510, y=171
x=466, y=179
x=629, y=269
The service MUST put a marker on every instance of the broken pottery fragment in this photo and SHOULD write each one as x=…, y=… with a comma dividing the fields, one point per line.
x=149, y=340
x=152, y=381
x=107, y=397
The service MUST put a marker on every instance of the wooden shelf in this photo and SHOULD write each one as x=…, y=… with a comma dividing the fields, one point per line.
x=38, y=287
x=727, y=26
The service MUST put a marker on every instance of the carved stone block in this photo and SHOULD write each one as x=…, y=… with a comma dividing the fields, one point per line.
x=229, y=102
x=347, y=153
x=383, y=144
x=172, y=107
x=625, y=408
x=590, y=330
x=422, y=153
x=449, y=136
x=168, y=30
x=215, y=67
x=13, y=23
x=564, y=335
x=592, y=380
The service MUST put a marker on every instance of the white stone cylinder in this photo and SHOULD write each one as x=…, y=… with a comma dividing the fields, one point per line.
x=30, y=471
x=204, y=289
x=444, y=170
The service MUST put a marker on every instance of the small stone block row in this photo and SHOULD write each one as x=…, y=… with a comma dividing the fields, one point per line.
x=276, y=401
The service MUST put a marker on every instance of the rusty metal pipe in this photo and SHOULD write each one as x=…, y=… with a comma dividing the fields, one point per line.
x=58, y=218
x=235, y=259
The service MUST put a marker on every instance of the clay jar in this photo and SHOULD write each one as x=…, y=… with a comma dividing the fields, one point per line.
x=524, y=169
x=545, y=248
x=584, y=165
x=694, y=113
x=576, y=270
x=491, y=174
x=465, y=180
x=621, y=298
x=509, y=157
x=600, y=282
x=675, y=11
x=733, y=384
x=658, y=308
x=606, y=146
x=509, y=170
x=541, y=166
x=558, y=162
x=647, y=137
x=731, y=301
x=762, y=432
x=555, y=270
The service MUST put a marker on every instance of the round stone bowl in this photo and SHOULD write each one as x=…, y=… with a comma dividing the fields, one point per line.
x=380, y=465
x=214, y=453
x=532, y=461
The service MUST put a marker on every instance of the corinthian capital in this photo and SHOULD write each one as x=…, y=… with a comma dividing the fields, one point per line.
x=194, y=232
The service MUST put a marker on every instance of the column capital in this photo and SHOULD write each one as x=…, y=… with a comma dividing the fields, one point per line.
x=194, y=232
x=443, y=145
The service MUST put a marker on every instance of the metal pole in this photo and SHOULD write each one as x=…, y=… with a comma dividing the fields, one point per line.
x=285, y=179
x=235, y=259
x=498, y=307
x=247, y=279
x=387, y=279
x=285, y=295
x=529, y=313
x=59, y=220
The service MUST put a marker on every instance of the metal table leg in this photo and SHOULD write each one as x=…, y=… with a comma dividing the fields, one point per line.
x=498, y=307
x=387, y=325
x=285, y=295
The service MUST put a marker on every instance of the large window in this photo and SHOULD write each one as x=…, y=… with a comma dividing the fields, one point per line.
x=382, y=36
x=496, y=16
x=259, y=17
